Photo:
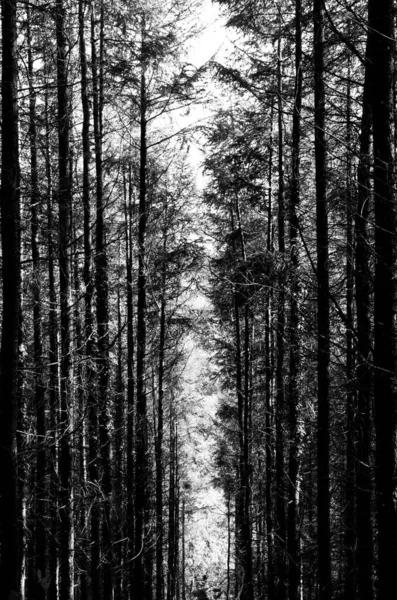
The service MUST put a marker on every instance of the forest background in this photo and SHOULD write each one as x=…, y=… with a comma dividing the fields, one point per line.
x=197, y=384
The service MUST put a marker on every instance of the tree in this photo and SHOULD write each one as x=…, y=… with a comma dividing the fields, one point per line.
x=380, y=16
x=11, y=274
x=323, y=326
x=64, y=204
x=295, y=350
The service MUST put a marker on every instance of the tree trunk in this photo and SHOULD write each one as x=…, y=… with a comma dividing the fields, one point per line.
x=270, y=577
x=142, y=465
x=171, y=569
x=323, y=326
x=294, y=354
x=280, y=539
x=92, y=411
x=381, y=18
x=64, y=200
x=130, y=475
x=9, y=373
x=102, y=306
x=363, y=369
x=53, y=357
x=40, y=387
x=350, y=525
x=160, y=428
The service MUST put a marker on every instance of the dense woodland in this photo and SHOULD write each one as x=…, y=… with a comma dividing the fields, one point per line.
x=107, y=241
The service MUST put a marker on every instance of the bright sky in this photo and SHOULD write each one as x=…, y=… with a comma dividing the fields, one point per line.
x=213, y=43
x=213, y=39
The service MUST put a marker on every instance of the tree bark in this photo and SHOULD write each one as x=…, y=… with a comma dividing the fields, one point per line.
x=323, y=325
x=64, y=203
x=269, y=460
x=40, y=387
x=363, y=375
x=102, y=305
x=280, y=516
x=130, y=475
x=160, y=425
x=294, y=354
x=53, y=356
x=11, y=273
x=381, y=18
x=350, y=525
x=141, y=447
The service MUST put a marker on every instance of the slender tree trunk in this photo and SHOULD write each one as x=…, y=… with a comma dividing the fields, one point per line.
x=381, y=18
x=363, y=370
x=64, y=200
x=142, y=465
x=92, y=409
x=130, y=475
x=294, y=354
x=171, y=571
x=102, y=306
x=350, y=525
x=323, y=326
x=243, y=393
x=53, y=357
x=280, y=544
x=270, y=578
x=160, y=431
x=183, y=557
x=11, y=274
x=177, y=519
x=229, y=545
x=118, y=496
x=40, y=387
x=77, y=441
x=243, y=530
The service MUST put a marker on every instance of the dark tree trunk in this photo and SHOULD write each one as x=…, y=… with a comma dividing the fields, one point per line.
x=244, y=394
x=280, y=539
x=350, y=525
x=381, y=18
x=64, y=201
x=9, y=374
x=172, y=554
x=323, y=325
x=130, y=475
x=102, y=306
x=363, y=369
x=294, y=354
x=119, y=444
x=40, y=387
x=160, y=430
x=141, y=447
x=53, y=356
x=92, y=409
x=244, y=584
x=269, y=462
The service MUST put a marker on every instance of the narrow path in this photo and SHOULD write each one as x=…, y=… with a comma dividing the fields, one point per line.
x=206, y=523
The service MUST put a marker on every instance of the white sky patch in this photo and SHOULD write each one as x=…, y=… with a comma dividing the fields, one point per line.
x=214, y=43
x=213, y=40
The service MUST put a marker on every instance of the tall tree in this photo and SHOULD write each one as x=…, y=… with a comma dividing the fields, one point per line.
x=142, y=465
x=381, y=24
x=102, y=297
x=364, y=370
x=64, y=204
x=323, y=324
x=40, y=387
x=280, y=541
x=294, y=355
x=11, y=273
